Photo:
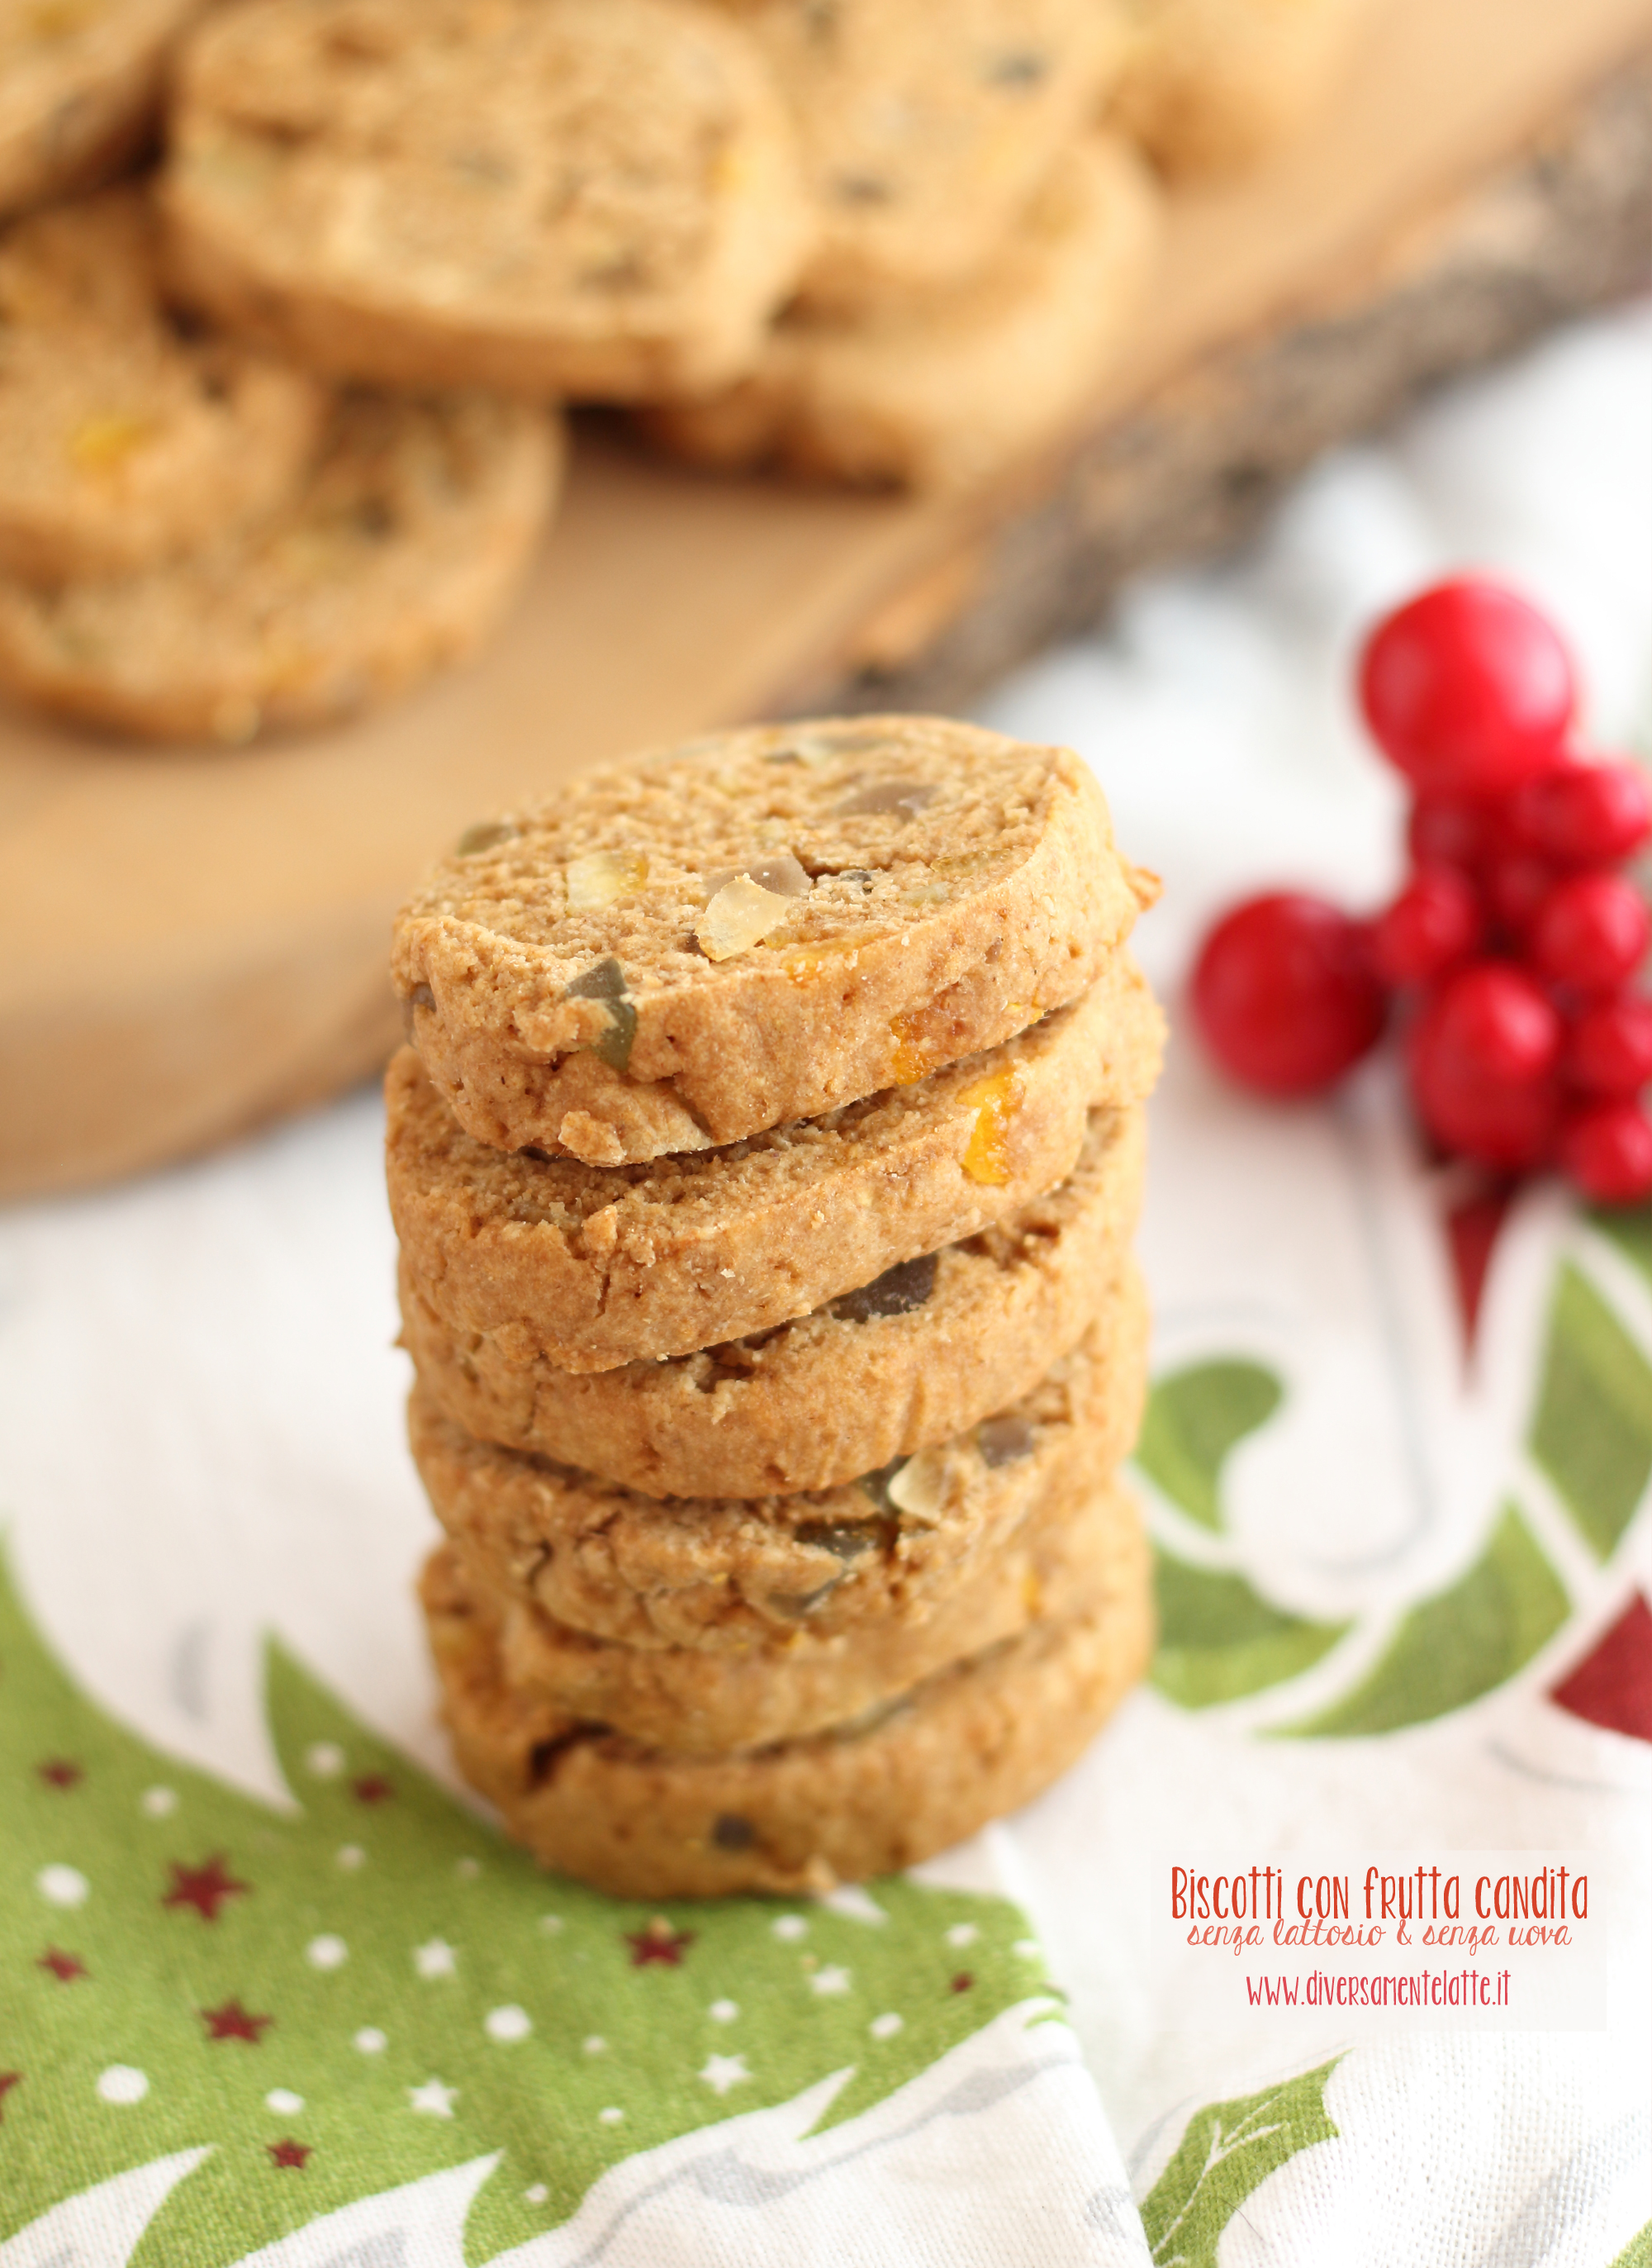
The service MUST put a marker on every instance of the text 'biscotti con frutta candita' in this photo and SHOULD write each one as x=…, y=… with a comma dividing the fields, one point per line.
x=765, y=1159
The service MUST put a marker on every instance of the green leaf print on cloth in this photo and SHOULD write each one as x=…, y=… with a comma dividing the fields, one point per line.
x=372, y=1986
x=1630, y=1231
x=1222, y=1639
x=1592, y=1433
x=1638, y=2251
x=1194, y=1418
x=1229, y=2149
x=1219, y=1638
x=1458, y=1645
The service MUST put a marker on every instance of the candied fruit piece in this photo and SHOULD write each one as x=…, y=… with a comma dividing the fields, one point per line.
x=913, y=1055
x=1002, y=1440
x=741, y=915
x=602, y=876
x=606, y=981
x=903, y=798
x=770, y=870
x=896, y=1291
x=844, y=1539
x=918, y=1488
x=994, y=1098
x=102, y=444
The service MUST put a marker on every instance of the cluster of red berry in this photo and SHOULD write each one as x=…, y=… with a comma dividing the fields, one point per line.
x=1512, y=953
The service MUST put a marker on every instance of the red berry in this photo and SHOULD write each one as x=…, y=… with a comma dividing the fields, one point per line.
x=1517, y=885
x=1507, y=1125
x=1432, y=924
x=1608, y=1049
x=1450, y=834
x=1607, y=1152
x=1284, y=995
x=1590, y=932
x=1497, y=1023
x=1586, y=814
x=1468, y=689
x=1481, y=1057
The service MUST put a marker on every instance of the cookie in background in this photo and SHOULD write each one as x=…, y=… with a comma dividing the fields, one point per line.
x=588, y=198
x=80, y=90
x=928, y=128
x=942, y=387
x=393, y=557
x=1210, y=86
x=125, y=438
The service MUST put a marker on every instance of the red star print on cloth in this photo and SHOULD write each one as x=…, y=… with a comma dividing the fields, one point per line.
x=205, y=1888
x=7, y=2081
x=963, y=1981
x=63, y=1966
x=289, y=2154
x=57, y=1771
x=372, y=1787
x=231, y=2021
x=1613, y=1685
x=660, y=1941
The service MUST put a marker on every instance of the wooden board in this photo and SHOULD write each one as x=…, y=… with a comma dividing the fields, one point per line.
x=192, y=942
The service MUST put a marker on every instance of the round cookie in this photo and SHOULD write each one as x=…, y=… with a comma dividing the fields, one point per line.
x=79, y=87
x=395, y=558
x=670, y=955
x=928, y=125
x=729, y=1574
x=588, y=1267
x=698, y=1703
x=124, y=440
x=943, y=390
x=588, y=197
x=1211, y=86
x=968, y=1744
x=921, y=1353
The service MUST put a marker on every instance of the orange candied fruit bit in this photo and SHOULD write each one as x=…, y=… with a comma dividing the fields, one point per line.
x=993, y=1100
x=912, y=1057
x=102, y=444
x=803, y=963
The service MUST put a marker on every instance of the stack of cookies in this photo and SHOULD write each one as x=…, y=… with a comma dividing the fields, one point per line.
x=765, y=1160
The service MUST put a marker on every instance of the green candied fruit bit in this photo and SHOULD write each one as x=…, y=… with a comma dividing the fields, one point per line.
x=487, y=835
x=605, y=982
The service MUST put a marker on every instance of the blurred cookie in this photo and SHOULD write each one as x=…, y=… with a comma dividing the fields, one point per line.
x=589, y=1267
x=727, y=1574
x=942, y=389
x=588, y=197
x=923, y=1352
x=696, y=1702
x=80, y=84
x=928, y=125
x=394, y=559
x=757, y=927
x=123, y=439
x=869, y=1797
x=1210, y=85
